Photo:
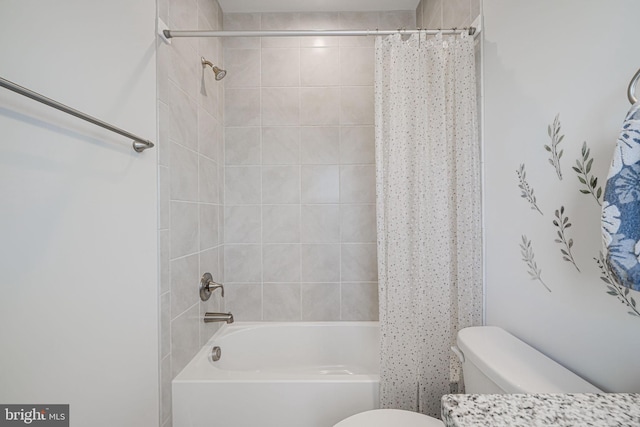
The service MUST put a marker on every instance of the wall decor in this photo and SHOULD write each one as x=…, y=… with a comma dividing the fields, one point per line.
x=562, y=224
x=583, y=169
x=529, y=258
x=554, y=133
x=527, y=191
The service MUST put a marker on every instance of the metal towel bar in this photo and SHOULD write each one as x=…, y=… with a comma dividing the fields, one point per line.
x=632, y=88
x=139, y=144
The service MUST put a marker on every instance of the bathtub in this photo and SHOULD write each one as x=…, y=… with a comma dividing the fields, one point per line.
x=280, y=375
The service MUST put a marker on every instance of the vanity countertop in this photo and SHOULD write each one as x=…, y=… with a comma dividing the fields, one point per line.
x=533, y=410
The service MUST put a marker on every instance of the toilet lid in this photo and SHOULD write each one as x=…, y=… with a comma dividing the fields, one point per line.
x=389, y=418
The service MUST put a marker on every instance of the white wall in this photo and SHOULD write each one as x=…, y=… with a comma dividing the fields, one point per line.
x=78, y=214
x=575, y=58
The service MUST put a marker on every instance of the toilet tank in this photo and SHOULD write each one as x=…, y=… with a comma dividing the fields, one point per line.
x=497, y=362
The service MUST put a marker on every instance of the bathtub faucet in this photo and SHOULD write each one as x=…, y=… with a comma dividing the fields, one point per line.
x=218, y=317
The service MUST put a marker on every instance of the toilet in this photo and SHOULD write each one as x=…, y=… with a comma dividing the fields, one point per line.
x=493, y=362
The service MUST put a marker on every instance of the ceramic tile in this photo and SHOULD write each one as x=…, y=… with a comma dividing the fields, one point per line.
x=432, y=17
x=356, y=105
x=242, y=107
x=281, y=301
x=242, y=263
x=280, y=145
x=183, y=13
x=183, y=123
x=320, y=224
x=163, y=134
x=280, y=106
x=358, y=21
x=208, y=180
x=164, y=195
x=475, y=9
x=280, y=21
x=209, y=233
x=244, y=301
x=185, y=69
x=357, y=145
x=184, y=228
x=319, y=145
x=184, y=284
x=357, y=184
x=209, y=263
x=320, y=262
x=184, y=174
x=456, y=13
x=242, y=185
x=398, y=19
x=242, y=146
x=165, y=324
x=320, y=184
x=319, y=106
x=209, y=9
x=320, y=301
x=185, y=341
x=165, y=389
x=243, y=68
x=208, y=139
x=165, y=260
x=243, y=224
x=358, y=262
x=281, y=262
x=359, y=301
x=241, y=21
x=281, y=224
x=319, y=21
x=280, y=67
x=320, y=66
x=358, y=223
x=280, y=184
x=356, y=66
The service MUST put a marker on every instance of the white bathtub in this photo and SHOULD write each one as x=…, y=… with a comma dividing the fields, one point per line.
x=280, y=375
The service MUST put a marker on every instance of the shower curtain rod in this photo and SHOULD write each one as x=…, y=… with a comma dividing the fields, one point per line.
x=313, y=33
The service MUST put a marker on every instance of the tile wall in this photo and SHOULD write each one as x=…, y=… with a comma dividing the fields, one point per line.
x=190, y=185
x=299, y=209
x=434, y=14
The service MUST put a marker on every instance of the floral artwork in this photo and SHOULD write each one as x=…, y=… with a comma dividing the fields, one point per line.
x=621, y=209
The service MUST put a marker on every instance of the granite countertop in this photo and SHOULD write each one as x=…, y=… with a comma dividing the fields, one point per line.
x=520, y=410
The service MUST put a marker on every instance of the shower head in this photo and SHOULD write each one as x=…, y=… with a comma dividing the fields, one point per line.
x=220, y=73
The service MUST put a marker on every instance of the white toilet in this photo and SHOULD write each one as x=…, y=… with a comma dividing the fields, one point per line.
x=493, y=362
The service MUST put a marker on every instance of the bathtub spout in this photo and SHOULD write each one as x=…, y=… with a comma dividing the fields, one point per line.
x=218, y=317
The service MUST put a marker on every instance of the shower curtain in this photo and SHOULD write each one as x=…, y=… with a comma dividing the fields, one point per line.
x=428, y=214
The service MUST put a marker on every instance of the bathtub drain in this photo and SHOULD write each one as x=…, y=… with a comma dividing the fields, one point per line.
x=215, y=353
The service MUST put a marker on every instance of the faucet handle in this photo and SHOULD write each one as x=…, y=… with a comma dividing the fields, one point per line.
x=207, y=286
